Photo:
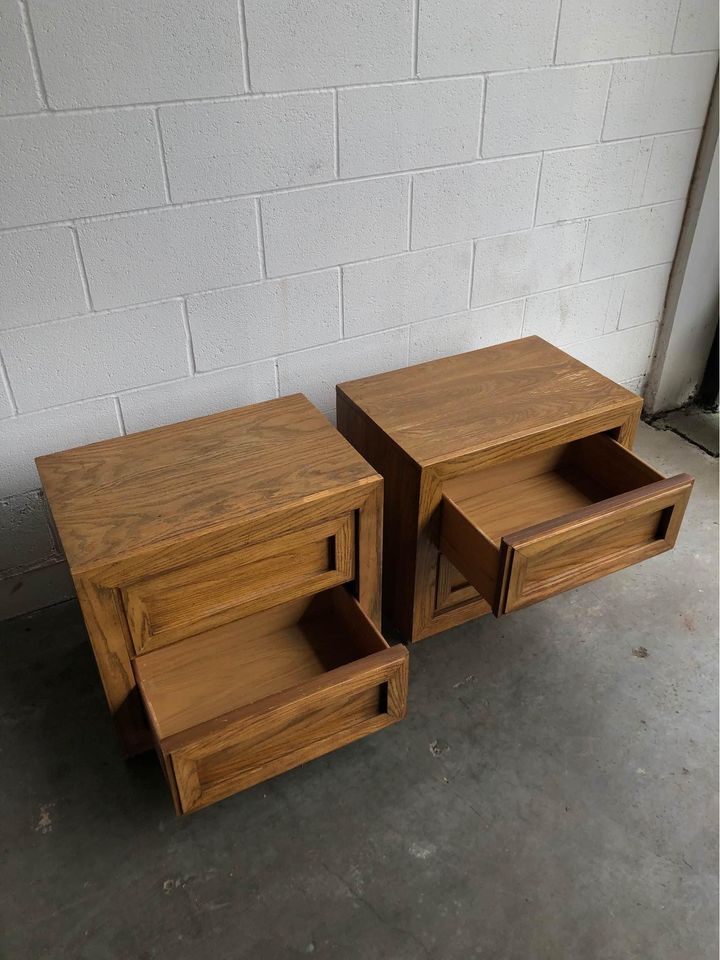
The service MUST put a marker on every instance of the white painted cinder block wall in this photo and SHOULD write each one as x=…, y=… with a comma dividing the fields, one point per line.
x=204, y=205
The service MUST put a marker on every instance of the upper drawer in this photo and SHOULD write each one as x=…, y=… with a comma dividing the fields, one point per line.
x=530, y=528
x=215, y=590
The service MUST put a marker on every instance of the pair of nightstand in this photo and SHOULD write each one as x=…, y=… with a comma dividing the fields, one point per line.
x=228, y=568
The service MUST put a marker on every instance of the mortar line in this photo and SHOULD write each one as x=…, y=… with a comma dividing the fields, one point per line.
x=34, y=57
x=341, y=302
x=163, y=157
x=336, y=133
x=677, y=21
x=471, y=281
x=411, y=191
x=537, y=191
x=120, y=417
x=81, y=267
x=244, y=46
x=260, y=238
x=5, y=380
x=522, y=319
x=234, y=198
x=277, y=376
x=271, y=94
x=605, y=108
x=177, y=298
x=557, y=32
x=188, y=337
x=415, y=38
x=483, y=109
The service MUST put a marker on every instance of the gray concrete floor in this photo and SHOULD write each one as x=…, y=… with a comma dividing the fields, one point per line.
x=695, y=424
x=551, y=796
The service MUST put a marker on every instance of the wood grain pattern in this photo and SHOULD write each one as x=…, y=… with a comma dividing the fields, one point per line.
x=438, y=410
x=276, y=689
x=115, y=498
x=533, y=527
x=453, y=433
x=175, y=532
x=205, y=594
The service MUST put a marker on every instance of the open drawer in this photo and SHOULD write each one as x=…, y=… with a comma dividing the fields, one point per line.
x=529, y=528
x=249, y=699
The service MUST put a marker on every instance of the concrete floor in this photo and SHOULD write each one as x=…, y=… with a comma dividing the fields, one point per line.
x=551, y=796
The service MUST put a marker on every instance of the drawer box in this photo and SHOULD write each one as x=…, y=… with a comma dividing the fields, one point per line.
x=530, y=528
x=206, y=593
x=261, y=695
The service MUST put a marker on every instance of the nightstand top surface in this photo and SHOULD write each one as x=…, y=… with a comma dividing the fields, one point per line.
x=473, y=401
x=114, y=498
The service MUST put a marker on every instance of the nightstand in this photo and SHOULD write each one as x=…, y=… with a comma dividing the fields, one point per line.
x=228, y=569
x=509, y=478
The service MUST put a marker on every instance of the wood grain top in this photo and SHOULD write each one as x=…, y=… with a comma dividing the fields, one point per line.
x=114, y=498
x=476, y=400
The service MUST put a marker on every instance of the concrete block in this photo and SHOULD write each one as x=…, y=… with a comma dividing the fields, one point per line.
x=317, y=44
x=408, y=125
x=621, y=356
x=97, y=354
x=25, y=538
x=478, y=200
x=315, y=372
x=659, y=96
x=463, y=36
x=164, y=253
x=264, y=319
x=544, y=109
x=697, y=26
x=40, y=277
x=28, y=591
x=325, y=226
x=672, y=162
x=614, y=28
x=221, y=149
x=403, y=289
x=522, y=263
x=25, y=437
x=100, y=53
x=574, y=313
x=620, y=242
x=198, y=396
x=77, y=165
x=469, y=330
x=588, y=181
x=17, y=83
x=642, y=295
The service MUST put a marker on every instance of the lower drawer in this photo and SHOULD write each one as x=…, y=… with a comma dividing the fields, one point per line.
x=250, y=699
x=530, y=528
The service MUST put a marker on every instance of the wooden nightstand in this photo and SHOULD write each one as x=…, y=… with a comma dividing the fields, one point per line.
x=228, y=570
x=508, y=479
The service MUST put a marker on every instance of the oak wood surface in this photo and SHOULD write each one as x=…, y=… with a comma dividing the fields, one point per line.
x=524, y=415
x=209, y=592
x=176, y=531
x=443, y=408
x=290, y=684
x=112, y=499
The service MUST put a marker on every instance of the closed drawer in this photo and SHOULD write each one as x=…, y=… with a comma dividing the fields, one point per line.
x=261, y=695
x=530, y=528
x=215, y=590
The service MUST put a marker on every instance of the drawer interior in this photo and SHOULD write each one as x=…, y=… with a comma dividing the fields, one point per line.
x=527, y=529
x=249, y=699
x=548, y=484
x=239, y=663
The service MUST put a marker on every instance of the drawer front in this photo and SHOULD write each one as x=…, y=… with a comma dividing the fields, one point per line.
x=452, y=587
x=349, y=703
x=216, y=590
x=544, y=560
